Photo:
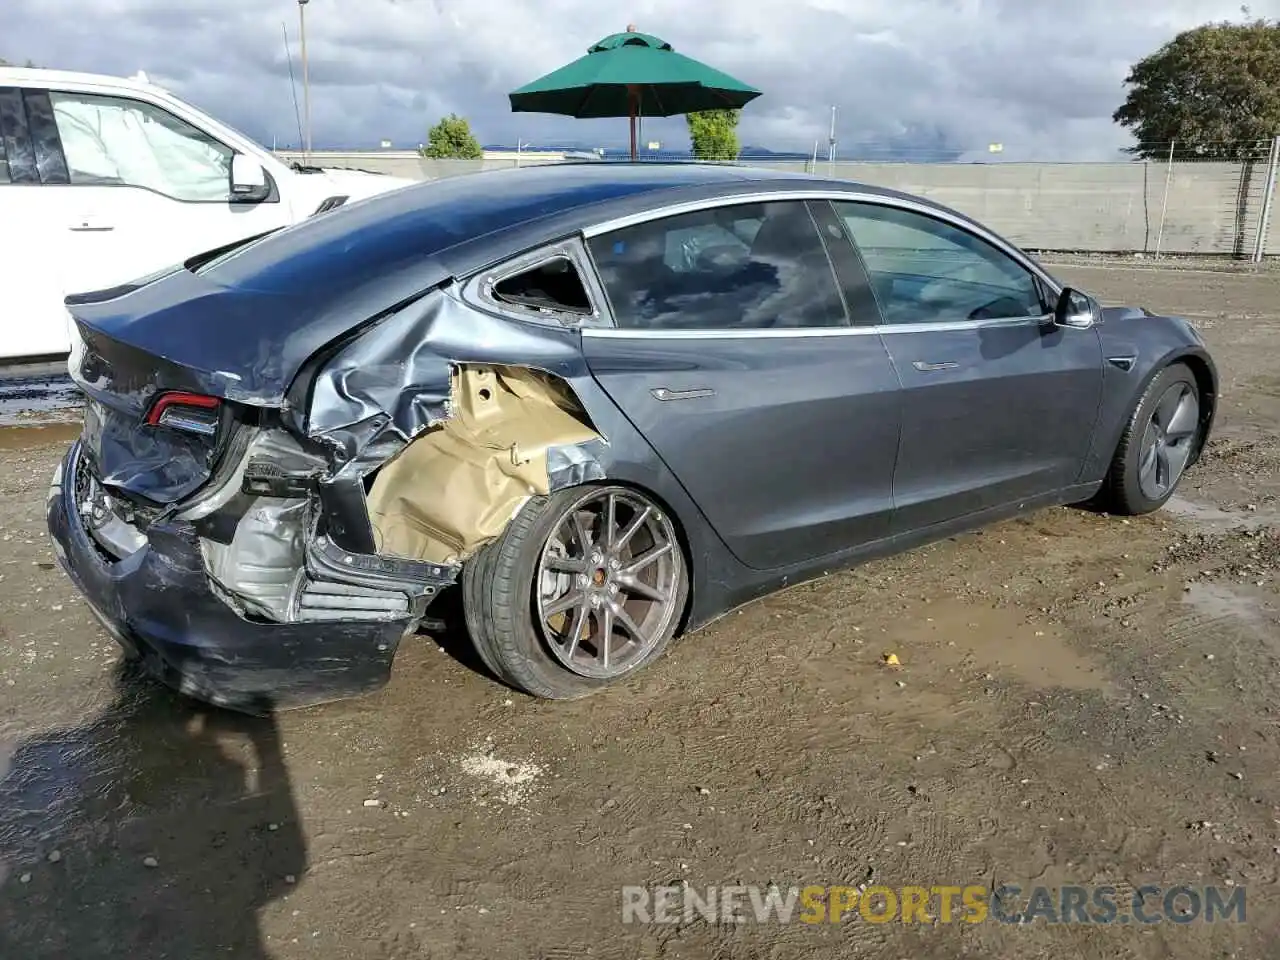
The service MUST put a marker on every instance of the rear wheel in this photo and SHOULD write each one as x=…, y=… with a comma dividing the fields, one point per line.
x=584, y=587
x=1156, y=445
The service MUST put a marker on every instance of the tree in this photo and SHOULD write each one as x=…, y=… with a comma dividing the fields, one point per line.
x=452, y=139
x=1214, y=90
x=713, y=134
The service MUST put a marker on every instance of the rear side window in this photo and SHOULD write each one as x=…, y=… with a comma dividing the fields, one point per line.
x=748, y=267
x=551, y=287
x=4, y=163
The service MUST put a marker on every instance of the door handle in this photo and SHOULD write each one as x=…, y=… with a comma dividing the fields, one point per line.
x=925, y=367
x=90, y=225
x=665, y=393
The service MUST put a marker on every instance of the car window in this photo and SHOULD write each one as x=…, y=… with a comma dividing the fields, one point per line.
x=4, y=163
x=689, y=247
x=552, y=286
x=747, y=267
x=111, y=140
x=46, y=145
x=926, y=271
x=15, y=139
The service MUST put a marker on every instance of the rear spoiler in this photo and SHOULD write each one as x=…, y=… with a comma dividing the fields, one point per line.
x=193, y=264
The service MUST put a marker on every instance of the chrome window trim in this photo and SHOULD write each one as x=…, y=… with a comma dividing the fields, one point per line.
x=947, y=325
x=640, y=333
x=833, y=196
x=887, y=329
x=478, y=290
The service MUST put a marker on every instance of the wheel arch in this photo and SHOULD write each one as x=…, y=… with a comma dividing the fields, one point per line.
x=1123, y=391
x=1206, y=375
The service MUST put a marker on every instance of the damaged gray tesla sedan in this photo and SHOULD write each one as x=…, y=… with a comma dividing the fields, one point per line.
x=612, y=401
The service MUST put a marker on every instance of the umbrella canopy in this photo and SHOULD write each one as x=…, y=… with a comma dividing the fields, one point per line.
x=632, y=75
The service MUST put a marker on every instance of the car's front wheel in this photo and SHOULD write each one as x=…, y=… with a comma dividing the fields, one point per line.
x=583, y=587
x=1156, y=445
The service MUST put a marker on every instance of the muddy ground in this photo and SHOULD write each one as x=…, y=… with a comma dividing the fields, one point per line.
x=1083, y=700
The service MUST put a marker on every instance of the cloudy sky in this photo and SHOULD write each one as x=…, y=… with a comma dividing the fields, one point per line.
x=1040, y=76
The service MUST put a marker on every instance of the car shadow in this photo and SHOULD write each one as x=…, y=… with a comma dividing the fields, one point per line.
x=446, y=625
x=159, y=828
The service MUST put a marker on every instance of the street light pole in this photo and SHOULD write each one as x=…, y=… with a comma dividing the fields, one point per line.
x=306, y=83
x=831, y=146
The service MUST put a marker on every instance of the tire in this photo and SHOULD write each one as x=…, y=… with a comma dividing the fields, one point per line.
x=1124, y=491
x=505, y=593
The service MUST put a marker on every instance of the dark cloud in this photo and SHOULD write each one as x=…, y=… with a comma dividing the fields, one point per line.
x=1040, y=76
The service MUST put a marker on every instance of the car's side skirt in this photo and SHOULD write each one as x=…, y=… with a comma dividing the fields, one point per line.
x=714, y=606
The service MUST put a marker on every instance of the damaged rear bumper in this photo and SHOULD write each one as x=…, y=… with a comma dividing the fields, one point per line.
x=159, y=604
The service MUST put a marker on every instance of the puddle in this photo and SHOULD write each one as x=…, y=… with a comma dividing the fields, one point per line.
x=1217, y=602
x=38, y=395
x=73, y=787
x=999, y=640
x=50, y=785
x=1213, y=518
x=22, y=438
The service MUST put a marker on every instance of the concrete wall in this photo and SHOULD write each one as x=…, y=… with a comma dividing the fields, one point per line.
x=408, y=163
x=1102, y=207
x=1211, y=207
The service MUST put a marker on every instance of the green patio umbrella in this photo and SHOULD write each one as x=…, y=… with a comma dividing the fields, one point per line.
x=632, y=75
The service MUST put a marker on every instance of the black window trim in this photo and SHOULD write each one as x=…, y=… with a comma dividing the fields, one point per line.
x=849, y=278
x=60, y=174
x=836, y=276
x=18, y=142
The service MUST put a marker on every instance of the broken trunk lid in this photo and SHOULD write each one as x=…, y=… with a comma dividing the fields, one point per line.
x=239, y=343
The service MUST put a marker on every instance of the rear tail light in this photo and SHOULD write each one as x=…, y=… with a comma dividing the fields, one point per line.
x=192, y=412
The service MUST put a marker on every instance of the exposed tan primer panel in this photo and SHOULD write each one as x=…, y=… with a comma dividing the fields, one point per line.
x=457, y=486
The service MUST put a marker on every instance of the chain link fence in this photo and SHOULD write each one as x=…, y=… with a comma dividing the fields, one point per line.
x=1207, y=201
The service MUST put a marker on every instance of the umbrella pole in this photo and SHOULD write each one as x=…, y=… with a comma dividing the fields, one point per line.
x=631, y=117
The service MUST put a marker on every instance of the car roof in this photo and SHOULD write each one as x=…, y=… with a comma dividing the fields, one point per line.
x=467, y=222
x=40, y=77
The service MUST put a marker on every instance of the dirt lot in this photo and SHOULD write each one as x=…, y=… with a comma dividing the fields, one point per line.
x=1083, y=700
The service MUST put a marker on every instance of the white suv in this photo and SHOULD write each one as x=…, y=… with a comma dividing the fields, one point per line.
x=105, y=180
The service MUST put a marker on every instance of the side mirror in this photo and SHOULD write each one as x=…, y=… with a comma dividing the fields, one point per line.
x=1076, y=310
x=248, y=179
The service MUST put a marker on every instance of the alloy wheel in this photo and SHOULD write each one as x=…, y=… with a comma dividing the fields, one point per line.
x=607, y=583
x=1168, y=439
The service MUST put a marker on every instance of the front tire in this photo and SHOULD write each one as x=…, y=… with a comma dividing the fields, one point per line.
x=583, y=588
x=1157, y=444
